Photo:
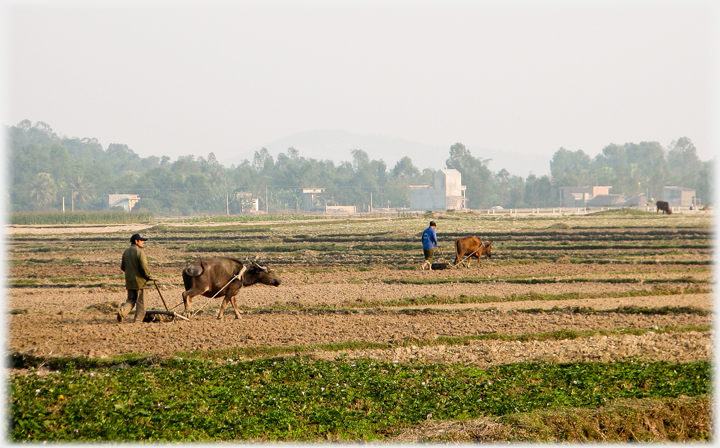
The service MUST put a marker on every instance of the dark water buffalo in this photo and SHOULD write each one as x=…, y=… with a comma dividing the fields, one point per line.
x=208, y=276
x=470, y=247
x=664, y=207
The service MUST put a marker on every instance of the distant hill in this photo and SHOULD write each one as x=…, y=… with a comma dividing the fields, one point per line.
x=337, y=146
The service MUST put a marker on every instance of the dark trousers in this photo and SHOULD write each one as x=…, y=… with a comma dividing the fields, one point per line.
x=428, y=253
x=135, y=298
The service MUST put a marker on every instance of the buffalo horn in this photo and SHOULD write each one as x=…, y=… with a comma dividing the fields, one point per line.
x=255, y=263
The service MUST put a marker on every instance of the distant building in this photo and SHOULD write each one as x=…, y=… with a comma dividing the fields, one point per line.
x=248, y=203
x=607, y=200
x=636, y=201
x=447, y=194
x=579, y=196
x=311, y=200
x=679, y=197
x=341, y=209
x=126, y=201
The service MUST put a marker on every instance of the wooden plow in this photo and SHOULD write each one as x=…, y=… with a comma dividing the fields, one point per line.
x=446, y=265
x=160, y=315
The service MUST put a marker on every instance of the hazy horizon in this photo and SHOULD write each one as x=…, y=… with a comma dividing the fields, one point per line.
x=515, y=78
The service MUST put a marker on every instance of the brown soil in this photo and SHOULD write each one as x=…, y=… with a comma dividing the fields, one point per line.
x=81, y=322
x=50, y=321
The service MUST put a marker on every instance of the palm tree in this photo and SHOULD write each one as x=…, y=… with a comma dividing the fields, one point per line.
x=80, y=191
x=43, y=188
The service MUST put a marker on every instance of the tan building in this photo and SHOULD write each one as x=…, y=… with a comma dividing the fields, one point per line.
x=448, y=193
x=580, y=196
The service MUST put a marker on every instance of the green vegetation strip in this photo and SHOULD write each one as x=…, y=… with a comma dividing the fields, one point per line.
x=105, y=218
x=297, y=399
x=532, y=296
x=534, y=281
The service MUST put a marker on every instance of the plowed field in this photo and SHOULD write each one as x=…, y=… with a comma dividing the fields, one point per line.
x=619, y=285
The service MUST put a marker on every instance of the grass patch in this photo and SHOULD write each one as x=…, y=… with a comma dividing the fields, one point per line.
x=623, y=212
x=296, y=399
x=620, y=421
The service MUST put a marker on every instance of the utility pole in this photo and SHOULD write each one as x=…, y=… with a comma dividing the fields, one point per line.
x=267, y=207
x=227, y=204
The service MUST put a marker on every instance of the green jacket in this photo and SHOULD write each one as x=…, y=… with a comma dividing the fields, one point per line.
x=134, y=264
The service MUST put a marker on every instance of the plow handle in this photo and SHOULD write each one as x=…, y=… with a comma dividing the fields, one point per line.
x=161, y=296
x=442, y=254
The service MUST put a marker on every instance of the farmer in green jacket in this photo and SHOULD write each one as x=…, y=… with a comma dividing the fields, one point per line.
x=134, y=264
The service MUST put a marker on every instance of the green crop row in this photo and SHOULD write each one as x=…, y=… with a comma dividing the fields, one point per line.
x=659, y=290
x=45, y=218
x=297, y=399
x=533, y=281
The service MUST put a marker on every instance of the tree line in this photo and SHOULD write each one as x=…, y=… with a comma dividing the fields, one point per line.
x=46, y=168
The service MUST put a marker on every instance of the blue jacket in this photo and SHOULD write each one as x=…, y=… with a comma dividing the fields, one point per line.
x=429, y=238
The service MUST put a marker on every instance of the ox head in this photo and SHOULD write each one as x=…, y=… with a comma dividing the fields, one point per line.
x=486, y=248
x=256, y=273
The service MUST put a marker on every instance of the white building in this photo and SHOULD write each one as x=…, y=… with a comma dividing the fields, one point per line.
x=311, y=199
x=126, y=201
x=447, y=194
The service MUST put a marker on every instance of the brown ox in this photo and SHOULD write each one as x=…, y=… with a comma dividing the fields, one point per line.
x=469, y=247
x=212, y=276
x=664, y=207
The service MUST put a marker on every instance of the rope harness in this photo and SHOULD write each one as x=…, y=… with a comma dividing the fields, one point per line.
x=482, y=245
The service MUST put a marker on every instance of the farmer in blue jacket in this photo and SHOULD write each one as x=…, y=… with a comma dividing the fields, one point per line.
x=429, y=243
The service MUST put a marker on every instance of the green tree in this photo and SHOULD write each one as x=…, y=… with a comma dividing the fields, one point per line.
x=43, y=189
x=539, y=192
x=80, y=191
x=706, y=184
x=685, y=166
x=648, y=169
x=262, y=161
x=476, y=176
x=508, y=190
x=404, y=170
x=570, y=169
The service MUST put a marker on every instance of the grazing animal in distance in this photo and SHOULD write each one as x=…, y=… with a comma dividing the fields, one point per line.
x=664, y=207
x=211, y=276
x=471, y=246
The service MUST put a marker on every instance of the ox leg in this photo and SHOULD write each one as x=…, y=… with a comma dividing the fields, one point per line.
x=229, y=298
x=224, y=303
x=187, y=299
x=235, y=308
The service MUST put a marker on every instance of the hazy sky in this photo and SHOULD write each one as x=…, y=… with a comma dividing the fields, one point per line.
x=228, y=78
